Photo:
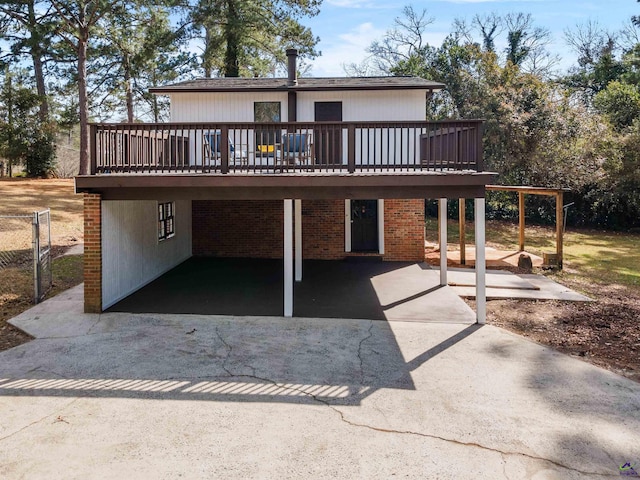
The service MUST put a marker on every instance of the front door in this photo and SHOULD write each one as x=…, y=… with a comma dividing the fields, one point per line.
x=328, y=138
x=364, y=225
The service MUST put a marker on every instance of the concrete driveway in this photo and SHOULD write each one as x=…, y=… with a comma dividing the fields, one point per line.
x=123, y=395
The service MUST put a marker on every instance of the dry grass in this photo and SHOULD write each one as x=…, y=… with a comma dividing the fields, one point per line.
x=23, y=197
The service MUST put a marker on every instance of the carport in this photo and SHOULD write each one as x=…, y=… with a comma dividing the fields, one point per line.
x=122, y=253
x=352, y=288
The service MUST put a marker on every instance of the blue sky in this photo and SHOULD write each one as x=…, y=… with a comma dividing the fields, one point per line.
x=347, y=27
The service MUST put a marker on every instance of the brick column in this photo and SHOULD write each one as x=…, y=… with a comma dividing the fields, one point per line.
x=92, y=253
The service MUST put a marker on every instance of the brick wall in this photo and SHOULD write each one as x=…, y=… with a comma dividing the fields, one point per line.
x=92, y=253
x=404, y=230
x=248, y=228
x=254, y=229
x=323, y=229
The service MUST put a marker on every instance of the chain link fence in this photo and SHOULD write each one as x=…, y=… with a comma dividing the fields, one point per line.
x=25, y=257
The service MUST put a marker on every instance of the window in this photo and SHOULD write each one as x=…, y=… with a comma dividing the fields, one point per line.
x=266, y=112
x=166, y=223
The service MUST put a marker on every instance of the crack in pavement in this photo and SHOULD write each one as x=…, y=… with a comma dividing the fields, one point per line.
x=459, y=442
x=369, y=335
x=502, y=453
x=35, y=422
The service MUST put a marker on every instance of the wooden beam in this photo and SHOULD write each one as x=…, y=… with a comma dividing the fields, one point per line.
x=559, y=227
x=521, y=220
x=525, y=189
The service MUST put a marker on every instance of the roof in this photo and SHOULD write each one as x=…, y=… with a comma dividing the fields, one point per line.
x=228, y=84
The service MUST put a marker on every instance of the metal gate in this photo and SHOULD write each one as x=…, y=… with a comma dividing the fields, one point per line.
x=25, y=245
x=42, y=277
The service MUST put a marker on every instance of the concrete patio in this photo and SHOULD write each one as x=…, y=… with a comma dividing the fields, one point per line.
x=122, y=395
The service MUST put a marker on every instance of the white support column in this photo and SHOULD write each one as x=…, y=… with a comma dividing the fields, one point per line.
x=381, y=226
x=481, y=291
x=347, y=225
x=298, y=239
x=442, y=205
x=288, y=258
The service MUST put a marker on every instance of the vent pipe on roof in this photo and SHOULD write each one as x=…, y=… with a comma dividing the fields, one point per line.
x=292, y=67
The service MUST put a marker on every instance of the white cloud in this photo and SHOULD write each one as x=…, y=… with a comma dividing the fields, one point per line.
x=345, y=48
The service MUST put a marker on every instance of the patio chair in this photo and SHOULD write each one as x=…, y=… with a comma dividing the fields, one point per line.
x=212, y=141
x=296, y=148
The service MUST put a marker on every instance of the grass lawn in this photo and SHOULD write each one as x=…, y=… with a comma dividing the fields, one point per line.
x=604, y=257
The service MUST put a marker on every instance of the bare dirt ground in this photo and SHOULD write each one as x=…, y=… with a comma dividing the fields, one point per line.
x=605, y=332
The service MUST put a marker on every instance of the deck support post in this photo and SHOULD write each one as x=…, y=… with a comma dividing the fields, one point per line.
x=288, y=258
x=298, y=239
x=442, y=217
x=481, y=291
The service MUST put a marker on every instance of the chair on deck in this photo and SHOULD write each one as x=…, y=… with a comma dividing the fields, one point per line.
x=212, y=142
x=296, y=148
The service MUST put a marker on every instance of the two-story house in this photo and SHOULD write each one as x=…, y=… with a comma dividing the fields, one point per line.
x=288, y=168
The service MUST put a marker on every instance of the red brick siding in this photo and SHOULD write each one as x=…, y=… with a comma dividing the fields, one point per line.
x=227, y=228
x=323, y=229
x=255, y=229
x=92, y=253
x=404, y=230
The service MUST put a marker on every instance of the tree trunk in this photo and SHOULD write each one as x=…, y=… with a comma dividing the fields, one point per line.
x=83, y=104
x=129, y=90
x=38, y=70
x=231, y=33
x=206, y=56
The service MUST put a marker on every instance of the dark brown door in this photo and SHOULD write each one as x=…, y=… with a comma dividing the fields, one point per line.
x=364, y=225
x=328, y=138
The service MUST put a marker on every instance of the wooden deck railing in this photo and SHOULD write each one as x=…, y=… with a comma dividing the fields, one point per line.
x=291, y=147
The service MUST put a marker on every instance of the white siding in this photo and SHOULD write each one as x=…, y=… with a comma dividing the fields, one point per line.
x=131, y=253
x=363, y=105
x=221, y=107
x=368, y=105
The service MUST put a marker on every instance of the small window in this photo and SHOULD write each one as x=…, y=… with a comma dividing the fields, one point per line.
x=166, y=222
x=266, y=139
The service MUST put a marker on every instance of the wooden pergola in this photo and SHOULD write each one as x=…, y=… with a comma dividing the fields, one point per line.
x=522, y=191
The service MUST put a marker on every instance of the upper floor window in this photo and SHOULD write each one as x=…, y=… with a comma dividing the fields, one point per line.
x=267, y=139
x=166, y=223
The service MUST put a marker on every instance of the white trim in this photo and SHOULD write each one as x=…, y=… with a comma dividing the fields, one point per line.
x=347, y=225
x=298, y=239
x=442, y=217
x=288, y=258
x=481, y=281
x=381, y=226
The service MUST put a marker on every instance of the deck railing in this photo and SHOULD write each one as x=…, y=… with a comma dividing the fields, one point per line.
x=291, y=147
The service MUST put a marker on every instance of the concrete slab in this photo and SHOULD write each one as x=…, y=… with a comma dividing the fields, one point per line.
x=465, y=277
x=192, y=396
x=329, y=289
x=413, y=293
x=546, y=289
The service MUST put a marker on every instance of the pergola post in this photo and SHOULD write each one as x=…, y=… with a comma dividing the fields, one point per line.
x=559, y=226
x=521, y=221
x=481, y=291
x=298, y=239
x=288, y=258
x=442, y=217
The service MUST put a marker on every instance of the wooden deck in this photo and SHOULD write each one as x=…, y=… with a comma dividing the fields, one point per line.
x=263, y=148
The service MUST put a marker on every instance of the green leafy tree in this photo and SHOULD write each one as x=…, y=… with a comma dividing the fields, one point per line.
x=24, y=137
x=78, y=25
x=29, y=29
x=249, y=38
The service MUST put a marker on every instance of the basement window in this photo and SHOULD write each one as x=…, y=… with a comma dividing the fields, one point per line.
x=166, y=223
